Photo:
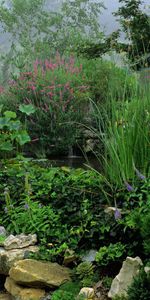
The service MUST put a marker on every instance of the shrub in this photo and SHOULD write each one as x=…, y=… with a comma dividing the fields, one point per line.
x=140, y=287
x=69, y=290
x=109, y=254
x=60, y=94
x=60, y=89
x=85, y=272
x=135, y=218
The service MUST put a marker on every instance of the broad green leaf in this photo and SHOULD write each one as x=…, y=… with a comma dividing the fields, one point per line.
x=10, y=114
x=27, y=109
x=14, y=125
x=6, y=146
x=4, y=122
x=23, y=137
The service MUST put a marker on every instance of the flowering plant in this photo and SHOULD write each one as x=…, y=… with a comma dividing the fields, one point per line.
x=58, y=90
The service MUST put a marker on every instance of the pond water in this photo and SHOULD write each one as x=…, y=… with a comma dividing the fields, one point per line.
x=71, y=162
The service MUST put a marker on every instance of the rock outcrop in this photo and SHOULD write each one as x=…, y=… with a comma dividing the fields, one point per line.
x=5, y=296
x=23, y=293
x=20, y=241
x=9, y=257
x=123, y=280
x=30, y=272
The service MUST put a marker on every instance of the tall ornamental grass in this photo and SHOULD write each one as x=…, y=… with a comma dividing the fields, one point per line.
x=125, y=136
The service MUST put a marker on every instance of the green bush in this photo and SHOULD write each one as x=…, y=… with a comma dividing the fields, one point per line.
x=85, y=272
x=134, y=221
x=120, y=298
x=145, y=223
x=140, y=287
x=107, y=281
x=59, y=93
x=109, y=254
x=68, y=291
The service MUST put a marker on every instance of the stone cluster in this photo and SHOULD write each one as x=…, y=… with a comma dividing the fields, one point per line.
x=27, y=279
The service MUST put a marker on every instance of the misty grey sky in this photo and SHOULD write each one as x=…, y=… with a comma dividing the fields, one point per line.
x=107, y=20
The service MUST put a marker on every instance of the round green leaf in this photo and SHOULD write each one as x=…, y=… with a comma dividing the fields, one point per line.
x=23, y=137
x=27, y=109
x=10, y=114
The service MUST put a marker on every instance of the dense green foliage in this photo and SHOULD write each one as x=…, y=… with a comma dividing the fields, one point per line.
x=59, y=93
x=140, y=288
x=85, y=273
x=68, y=291
x=137, y=221
x=56, y=203
x=112, y=253
x=66, y=208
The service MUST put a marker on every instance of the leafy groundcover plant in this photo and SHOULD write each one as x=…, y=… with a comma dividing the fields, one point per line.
x=13, y=133
x=57, y=204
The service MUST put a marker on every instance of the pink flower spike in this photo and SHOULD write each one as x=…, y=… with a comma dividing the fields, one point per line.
x=1, y=90
x=33, y=88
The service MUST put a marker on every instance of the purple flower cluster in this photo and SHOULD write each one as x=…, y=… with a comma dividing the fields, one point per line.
x=26, y=206
x=139, y=175
x=129, y=187
x=117, y=214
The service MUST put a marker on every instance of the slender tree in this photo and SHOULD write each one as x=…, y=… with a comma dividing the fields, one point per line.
x=136, y=24
x=33, y=29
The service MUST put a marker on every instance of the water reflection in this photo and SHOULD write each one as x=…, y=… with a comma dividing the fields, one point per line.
x=72, y=162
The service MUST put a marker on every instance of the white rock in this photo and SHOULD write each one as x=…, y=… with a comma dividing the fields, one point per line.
x=87, y=292
x=3, y=231
x=123, y=280
x=9, y=257
x=20, y=241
